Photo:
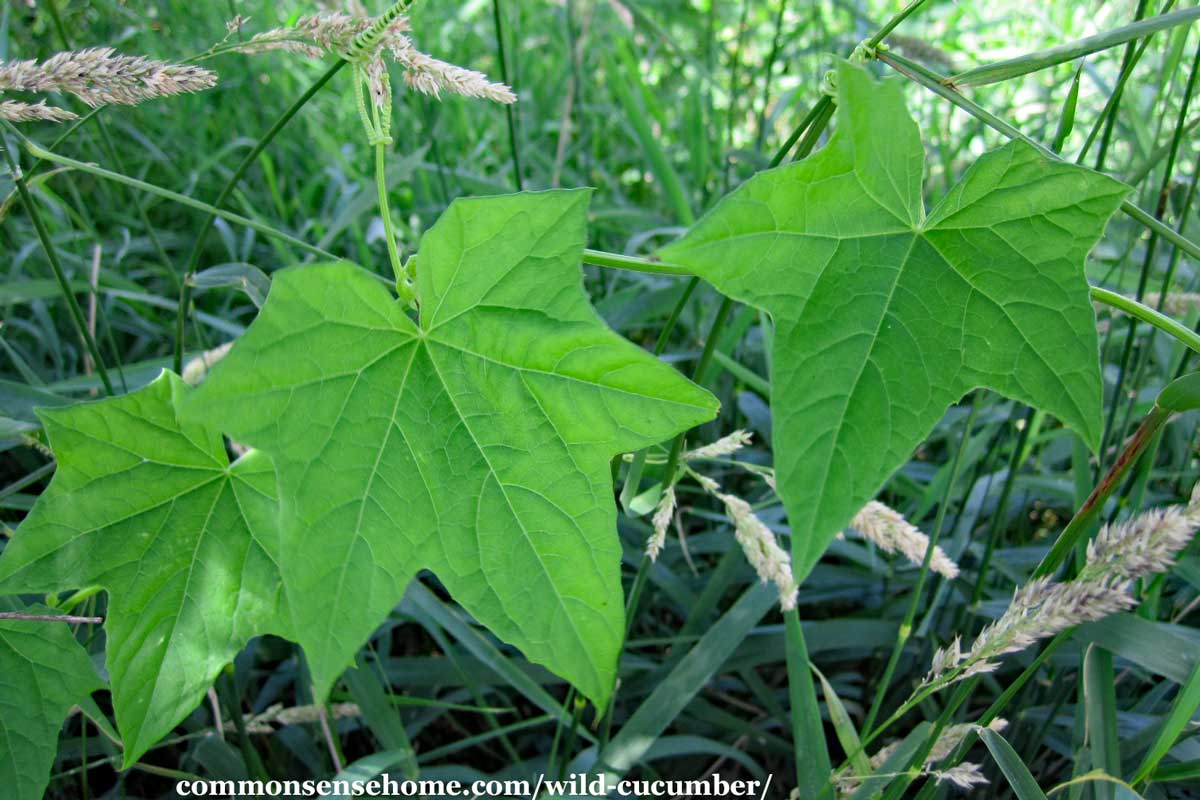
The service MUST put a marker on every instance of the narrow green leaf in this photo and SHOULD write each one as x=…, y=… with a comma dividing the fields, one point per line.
x=844, y=727
x=1066, y=117
x=620, y=82
x=475, y=443
x=247, y=277
x=688, y=677
x=891, y=768
x=885, y=315
x=1186, y=703
x=1014, y=769
x=1100, y=702
x=1154, y=646
x=1181, y=394
x=151, y=509
x=372, y=697
x=43, y=672
x=1032, y=62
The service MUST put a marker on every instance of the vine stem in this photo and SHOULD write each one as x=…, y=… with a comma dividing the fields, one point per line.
x=403, y=287
x=1147, y=314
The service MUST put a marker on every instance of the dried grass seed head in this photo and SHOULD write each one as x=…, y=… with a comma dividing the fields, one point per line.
x=892, y=533
x=16, y=111
x=100, y=76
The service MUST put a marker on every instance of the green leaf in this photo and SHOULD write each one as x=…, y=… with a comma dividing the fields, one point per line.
x=1181, y=394
x=1014, y=769
x=1183, y=708
x=885, y=315
x=43, y=673
x=475, y=443
x=151, y=509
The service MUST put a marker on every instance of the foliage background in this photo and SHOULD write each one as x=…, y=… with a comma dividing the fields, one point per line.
x=662, y=105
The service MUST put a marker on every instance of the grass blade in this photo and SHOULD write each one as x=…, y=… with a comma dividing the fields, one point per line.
x=1033, y=62
x=1014, y=769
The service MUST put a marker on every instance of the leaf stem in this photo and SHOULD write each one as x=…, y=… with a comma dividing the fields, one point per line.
x=403, y=285
x=1147, y=314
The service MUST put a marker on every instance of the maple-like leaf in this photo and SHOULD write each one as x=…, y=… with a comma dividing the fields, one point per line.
x=885, y=315
x=43, y=673
x=475, y=442
x=151, y=509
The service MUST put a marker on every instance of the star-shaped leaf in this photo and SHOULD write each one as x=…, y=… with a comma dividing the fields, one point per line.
x=43, y=673
x=475, y=442
x=885, y=315
x=151, y=509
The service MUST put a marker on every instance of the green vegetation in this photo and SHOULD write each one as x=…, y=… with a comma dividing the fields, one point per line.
x=326, y=454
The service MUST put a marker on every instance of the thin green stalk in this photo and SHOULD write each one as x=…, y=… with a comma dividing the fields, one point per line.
x=910, y=617
x=1087, y=514
x=56, y=267
x=768, y=69
x=1148, y=260
x=1059, y=54
x=813, y=134
x=634, y=263
x=1127, y=63
x=402, y=284
x=934, y=82
x=176, y=197
x=509, y=112
x=226, y=190
x=818, y=109
x=893, y=23
x=1010, y=480
x=1147, y=314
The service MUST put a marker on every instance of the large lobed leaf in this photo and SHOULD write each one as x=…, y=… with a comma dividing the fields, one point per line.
x=886, y=315
x=43, y=673
x=151, y=509
x=475, y=442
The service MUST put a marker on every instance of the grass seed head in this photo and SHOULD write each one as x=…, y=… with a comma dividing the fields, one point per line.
x=663, y=514
x=769, y=560
x=100, y=76
x=892, y=533
x=725, y=446
x=16, y=111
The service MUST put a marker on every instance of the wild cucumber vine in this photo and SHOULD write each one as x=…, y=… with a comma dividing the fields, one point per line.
x=467, y=427
x=885, y=314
